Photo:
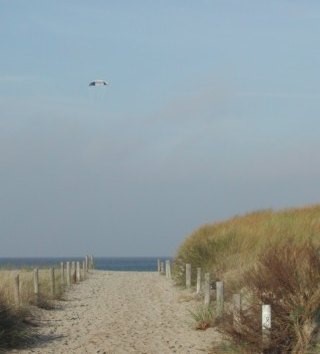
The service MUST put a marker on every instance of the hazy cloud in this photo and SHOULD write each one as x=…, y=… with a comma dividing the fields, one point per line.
x=275, y=94
x=16, y=78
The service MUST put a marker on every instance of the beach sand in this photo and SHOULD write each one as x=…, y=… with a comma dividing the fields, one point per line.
x=122, y=312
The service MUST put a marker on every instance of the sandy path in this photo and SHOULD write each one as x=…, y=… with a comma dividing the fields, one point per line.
x=122, y=312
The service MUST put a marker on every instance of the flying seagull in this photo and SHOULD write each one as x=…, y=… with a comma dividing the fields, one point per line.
x=98, y=83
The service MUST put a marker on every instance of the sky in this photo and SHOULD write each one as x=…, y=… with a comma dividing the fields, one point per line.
x=212, y=110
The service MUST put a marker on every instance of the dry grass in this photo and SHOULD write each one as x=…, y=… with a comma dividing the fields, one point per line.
x=26, y=286
x=228, y=248
x=16, y=329
x=273, y=258
x=203, y=316
x=287, y=278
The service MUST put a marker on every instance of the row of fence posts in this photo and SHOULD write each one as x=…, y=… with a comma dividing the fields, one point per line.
x=70, y=273
x=165, y=268
x=205, y=287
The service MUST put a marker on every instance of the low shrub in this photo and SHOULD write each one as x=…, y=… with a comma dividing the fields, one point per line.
x=287, y=277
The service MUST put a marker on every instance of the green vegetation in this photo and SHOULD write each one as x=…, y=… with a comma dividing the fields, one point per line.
x=203, y=315
x=271, y=258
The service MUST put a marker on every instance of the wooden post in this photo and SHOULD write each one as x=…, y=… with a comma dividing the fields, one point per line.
x=207, y=289
x=219, y=296
x=91, y=262
x=68, y=274
x=162, y=268
x=159, y=269
x=73, y=271
x=198, y=280
x=266, y=325
x=188, y=276
x=78, y=274
x=52, y=282
x=87, y=263
x=83, y=270
x=62, y=273
x=36, y=285
x=236, y=302
x=17, y=290
x=168, y=269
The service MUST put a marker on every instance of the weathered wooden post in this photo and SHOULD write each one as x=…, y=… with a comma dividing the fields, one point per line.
x=159, y=269
x=83, y=270
x=78, y=274
x=219, y=297
x=36, y=285
x=168, y=269
x=188, y=275
x=68, y=274
x=206, y=288
x=52, y=282
x=17, y=290
x=162, y=268
x=73, y=271
x=236, y=302
x=91, y=262
x=87, y=263
x=62, y=273
x=198, y=280
x=266, y=326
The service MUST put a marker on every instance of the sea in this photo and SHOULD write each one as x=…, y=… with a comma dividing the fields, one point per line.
x=135, y=264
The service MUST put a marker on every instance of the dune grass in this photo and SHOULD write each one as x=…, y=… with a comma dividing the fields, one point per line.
x=16, y=330
x=17, y=322
x=226, y=248
x=26, y=286
x=203, y=316
x=270, y=257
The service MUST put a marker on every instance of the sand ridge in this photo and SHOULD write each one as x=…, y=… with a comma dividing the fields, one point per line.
x=122, y=312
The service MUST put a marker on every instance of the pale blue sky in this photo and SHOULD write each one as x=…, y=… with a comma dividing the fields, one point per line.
x=212, y=110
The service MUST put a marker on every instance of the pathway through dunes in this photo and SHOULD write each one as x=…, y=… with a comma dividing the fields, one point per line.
x=123, y=312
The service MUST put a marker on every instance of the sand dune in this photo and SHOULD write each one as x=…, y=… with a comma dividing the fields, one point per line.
x=122, y=312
